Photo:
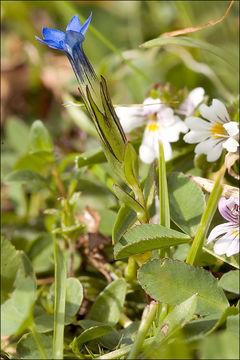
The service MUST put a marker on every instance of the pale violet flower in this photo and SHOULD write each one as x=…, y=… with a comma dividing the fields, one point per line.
x=161, y=125
x=195, y=97
x=215, y=133
x=227, y=234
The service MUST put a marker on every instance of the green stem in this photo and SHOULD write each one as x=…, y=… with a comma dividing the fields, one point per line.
x=147, y=319
x=164, y=210
x=38, y=342
x=196, y=248
x=59, y=302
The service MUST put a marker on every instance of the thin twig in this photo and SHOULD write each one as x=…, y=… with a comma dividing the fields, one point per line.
x=197, y=28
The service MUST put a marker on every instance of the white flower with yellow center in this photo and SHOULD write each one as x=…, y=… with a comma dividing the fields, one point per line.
x=215, y=134
x=162, y=125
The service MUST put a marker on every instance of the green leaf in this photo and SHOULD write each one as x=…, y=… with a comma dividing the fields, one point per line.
x=149, y=185
x=190, y=42
x=131, y=166
x=39, y=139
x=41, y=254
x=147, y=237
x=173, y=322
x=44, y=323
x=126, y=217
x=187, y=202
x=172, y=282
x=74, y=296
x=127, y=199
x=28, y=177
x=229, y=311
x=34, y=162
x=91, y=157
x=103, y=175
x=17, y=134
x=230, y=281
x=27, y=347
x=9, y=266
x=88, y=335
x=17, y=311
x=108, y=306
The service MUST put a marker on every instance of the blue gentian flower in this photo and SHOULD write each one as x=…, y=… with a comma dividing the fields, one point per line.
x=94, y=93
x=71, y=43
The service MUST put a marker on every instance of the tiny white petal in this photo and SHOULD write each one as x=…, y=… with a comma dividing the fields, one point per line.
x=208, y=113
x=221, y=246
x=152, y=106
x=220, y=110
x=147, y=154
x=233, y=248
x=195, y=123
x=196, y=96
x=215, y=153
x=165, y=116
x=232, y=128
x=231, y=145
x=167, y=150
x=193, y=136
x=219, y=230
x=130, y=117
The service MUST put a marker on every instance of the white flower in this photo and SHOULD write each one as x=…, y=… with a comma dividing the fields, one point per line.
x=229, y=243
x=194, y=98
x=162, y=125
x=215, y=134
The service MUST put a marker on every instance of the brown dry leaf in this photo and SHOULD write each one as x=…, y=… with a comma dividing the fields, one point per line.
x=230, y=160
x=197, y=28
x=91, y=219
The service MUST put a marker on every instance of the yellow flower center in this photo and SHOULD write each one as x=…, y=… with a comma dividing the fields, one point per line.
x=153, y=127
x=234, y=232
x=217, y=130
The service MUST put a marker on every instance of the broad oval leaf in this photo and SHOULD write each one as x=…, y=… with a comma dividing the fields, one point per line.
x=108, y=306
x=230, y=281
x=27, y=348
x=172, y=282
x=148, y=237
x=74, y=296
x=187, y=202
x=88, y=335
x=17, y=311
x=39, y=138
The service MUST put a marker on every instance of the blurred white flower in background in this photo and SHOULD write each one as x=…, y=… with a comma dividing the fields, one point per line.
x=215, y=133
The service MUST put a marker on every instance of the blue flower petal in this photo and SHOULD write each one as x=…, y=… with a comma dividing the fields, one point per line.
x=50, y=43
x=53, y=35
x=85, y=25
x=74, y=24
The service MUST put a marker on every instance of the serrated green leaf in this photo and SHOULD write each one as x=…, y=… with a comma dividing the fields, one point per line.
x=230, y=281
x=39, y=139
x=187, y=202
x=172, y=282
x=27, y=347
x=189, y=42
x=108, y=306
x=17, y=311
x=127, y=199
x=91, y=157
x=147, y=237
